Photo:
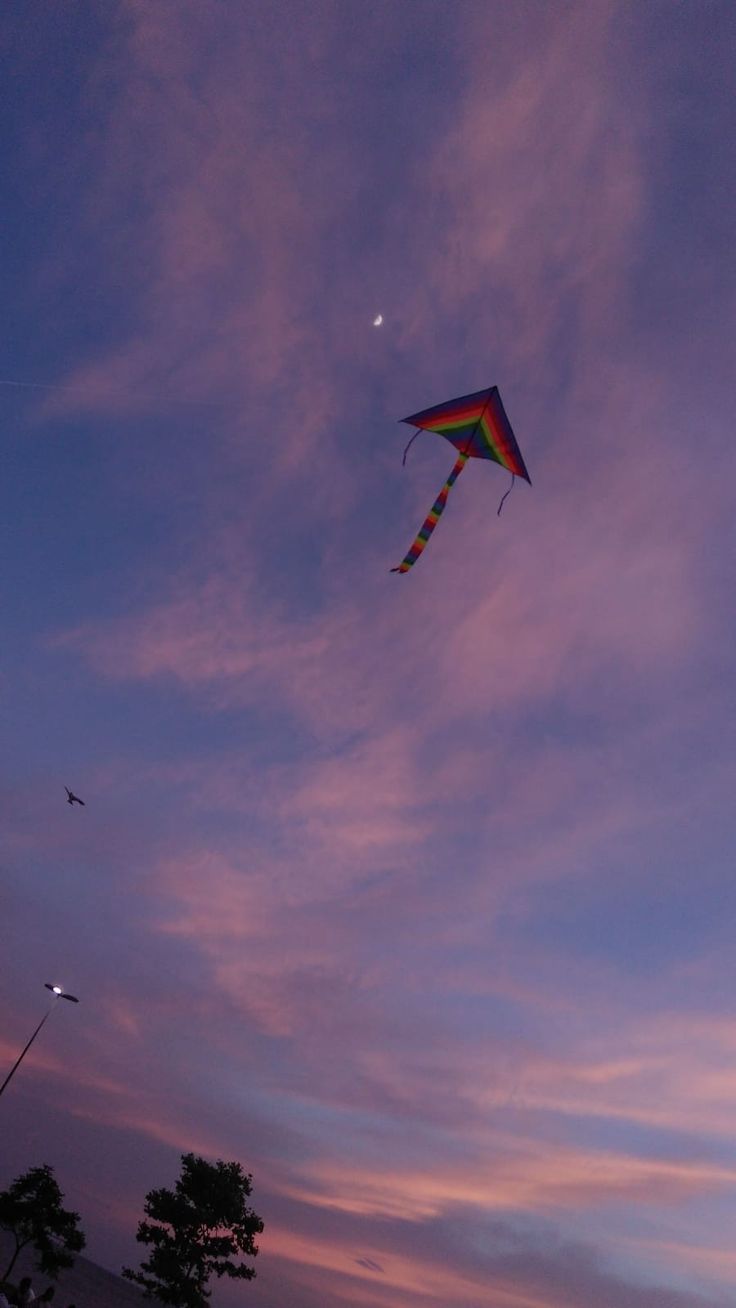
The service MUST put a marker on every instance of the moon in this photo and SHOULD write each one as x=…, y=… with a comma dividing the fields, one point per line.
x=378, y=320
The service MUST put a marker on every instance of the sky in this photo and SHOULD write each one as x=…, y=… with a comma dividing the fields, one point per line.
x=413, y=894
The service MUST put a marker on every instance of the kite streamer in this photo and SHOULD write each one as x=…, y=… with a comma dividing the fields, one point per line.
x=505, y=495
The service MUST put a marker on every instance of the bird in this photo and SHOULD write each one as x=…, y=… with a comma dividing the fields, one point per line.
x=73, y=799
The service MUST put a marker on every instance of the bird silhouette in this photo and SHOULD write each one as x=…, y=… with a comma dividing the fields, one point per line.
x=73, y=799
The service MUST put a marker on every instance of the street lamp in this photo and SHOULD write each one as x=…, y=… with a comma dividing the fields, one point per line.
x=58, y=993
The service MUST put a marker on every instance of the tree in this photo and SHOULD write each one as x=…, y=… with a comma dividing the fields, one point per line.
x=31, y=1210
x=202, y=1225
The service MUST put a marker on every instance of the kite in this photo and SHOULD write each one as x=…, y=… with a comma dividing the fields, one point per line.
x=478, y=427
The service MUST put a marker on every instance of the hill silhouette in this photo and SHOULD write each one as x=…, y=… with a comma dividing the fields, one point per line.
x=86, y=1284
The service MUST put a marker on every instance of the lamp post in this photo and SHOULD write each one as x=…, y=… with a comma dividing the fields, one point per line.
x=58, y=993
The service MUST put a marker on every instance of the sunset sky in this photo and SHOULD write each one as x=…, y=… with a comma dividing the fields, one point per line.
x=413, y=894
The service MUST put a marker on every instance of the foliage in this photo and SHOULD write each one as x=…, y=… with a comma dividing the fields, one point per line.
x=31, y=1210
x=202, y=1225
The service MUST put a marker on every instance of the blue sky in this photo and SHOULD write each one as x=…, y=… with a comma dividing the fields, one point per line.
x=413, y=894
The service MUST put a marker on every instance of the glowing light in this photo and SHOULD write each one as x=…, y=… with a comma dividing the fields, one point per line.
x=378, y=320
x=57, y=990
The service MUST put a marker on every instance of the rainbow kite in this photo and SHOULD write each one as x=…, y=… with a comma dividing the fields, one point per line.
x=478, y=427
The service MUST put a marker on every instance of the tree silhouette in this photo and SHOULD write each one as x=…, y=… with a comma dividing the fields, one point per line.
x=31, y=1210
x=200, y=1228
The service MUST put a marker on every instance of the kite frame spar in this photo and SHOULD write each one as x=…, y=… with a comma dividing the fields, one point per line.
x=491, y=436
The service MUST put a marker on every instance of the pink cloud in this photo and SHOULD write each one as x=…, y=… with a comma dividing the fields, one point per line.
x=574, y=602
x=535, y=199
x=224, y=299
x=342, y=926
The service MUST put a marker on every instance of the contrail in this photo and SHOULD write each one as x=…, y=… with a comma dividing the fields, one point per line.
x=101, y=395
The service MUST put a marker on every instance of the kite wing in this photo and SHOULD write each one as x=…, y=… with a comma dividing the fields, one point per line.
x=478, y=427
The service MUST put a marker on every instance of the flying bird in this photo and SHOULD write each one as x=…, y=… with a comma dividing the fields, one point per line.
x=478, y=428
x=72, y=798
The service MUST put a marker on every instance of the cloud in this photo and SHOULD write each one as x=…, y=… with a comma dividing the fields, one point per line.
x=494, y=1263
x=375, y=925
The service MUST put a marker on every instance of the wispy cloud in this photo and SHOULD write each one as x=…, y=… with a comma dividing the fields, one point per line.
x=382, y=881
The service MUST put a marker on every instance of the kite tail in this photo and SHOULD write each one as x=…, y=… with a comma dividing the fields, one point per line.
x=433, y=517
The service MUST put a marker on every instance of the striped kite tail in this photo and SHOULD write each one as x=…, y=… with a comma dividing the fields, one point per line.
x=433, y=517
